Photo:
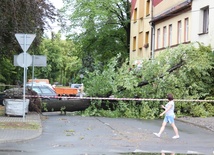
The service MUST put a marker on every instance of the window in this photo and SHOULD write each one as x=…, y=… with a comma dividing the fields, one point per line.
x=170, y=35
x=146, y=43
x=45, y=90
x=141, y=9
x=206, y=20
x=135, y=15
x=37, y=90
x=179, y=32
x=186, y=33
x=147, y=7
x=134, y=43
x=140, y=40
x=158, y=38
x=147, y=37
x=164, y=36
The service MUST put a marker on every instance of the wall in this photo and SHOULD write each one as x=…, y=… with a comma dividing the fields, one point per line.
x=164, y=5
x=140, y=28
x=207, y=39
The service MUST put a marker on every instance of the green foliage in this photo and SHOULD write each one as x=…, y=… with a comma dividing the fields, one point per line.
x=209, y=107
x=146, y=111
x=129, y=109
x=110, y=80
x=23, y=17
x=198, y=110
x=20, y=17
x=63, y=110
x=104, y=32
x=44, y=106
x=62, y=64
x=7, y=71
x=185, y=71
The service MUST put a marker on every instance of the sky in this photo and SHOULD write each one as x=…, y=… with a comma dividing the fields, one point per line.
x=57, y=3
x=55, y=28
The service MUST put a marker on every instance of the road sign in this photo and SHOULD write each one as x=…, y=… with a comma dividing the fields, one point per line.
x=21, y=62
x=37, y=60
x=25, y=40
x=24, y=59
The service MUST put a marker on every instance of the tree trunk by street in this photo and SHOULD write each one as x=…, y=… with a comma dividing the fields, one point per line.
x=65, y=105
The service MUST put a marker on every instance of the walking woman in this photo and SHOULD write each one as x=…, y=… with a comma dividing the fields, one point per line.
x=169, y=117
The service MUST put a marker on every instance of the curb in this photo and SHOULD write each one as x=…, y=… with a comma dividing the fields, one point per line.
x=195, y=124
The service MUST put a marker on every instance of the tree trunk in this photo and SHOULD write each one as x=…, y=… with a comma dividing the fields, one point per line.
x=66, y=105
x=47, y=105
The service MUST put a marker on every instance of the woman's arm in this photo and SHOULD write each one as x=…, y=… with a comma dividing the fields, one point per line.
x=170, y=106
x=163, y=106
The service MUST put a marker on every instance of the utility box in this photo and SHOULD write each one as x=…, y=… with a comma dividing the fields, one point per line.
x=14, y=107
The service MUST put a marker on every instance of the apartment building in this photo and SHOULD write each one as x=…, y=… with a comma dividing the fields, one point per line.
x=171, y=21
x=140, y=41
x=203, y=22
x=162, y=24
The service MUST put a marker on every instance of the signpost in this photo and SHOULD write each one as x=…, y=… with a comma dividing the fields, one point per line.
x=20, y=60
x=25, y=41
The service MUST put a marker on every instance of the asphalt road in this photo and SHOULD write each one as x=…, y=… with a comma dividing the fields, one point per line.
x=97, y=135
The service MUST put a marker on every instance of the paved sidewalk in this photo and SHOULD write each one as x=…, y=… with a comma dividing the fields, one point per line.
x=15, y=135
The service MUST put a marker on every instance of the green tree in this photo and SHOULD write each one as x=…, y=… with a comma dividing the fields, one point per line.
x=62, y=64
x=185, y=71
x=20, y=16
x=104, y=30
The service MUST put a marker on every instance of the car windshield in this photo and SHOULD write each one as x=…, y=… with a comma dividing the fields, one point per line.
x=37, y=90
x=76, y=85
x=45, y=90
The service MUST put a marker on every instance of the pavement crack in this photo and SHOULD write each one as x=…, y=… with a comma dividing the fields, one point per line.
x=113, y=129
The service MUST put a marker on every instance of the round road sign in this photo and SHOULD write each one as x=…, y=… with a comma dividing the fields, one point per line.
x=21, y=62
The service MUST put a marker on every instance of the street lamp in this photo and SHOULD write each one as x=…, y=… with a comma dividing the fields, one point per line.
x=81, y=76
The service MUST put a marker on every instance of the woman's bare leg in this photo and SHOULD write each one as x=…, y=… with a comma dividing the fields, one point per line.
x=175, y=129
x=162, y=128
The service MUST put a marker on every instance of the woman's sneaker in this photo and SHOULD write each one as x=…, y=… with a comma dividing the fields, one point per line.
x=175, y=137
x=156, y=134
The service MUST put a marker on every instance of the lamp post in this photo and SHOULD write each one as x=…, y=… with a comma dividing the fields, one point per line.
x=81, y=76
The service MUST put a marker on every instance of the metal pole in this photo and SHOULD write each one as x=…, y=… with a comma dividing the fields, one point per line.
x=32, y=71
x=24, y=78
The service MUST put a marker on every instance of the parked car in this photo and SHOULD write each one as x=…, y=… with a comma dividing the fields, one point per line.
x=80, y=88
x=75, y=85
x=44, y=91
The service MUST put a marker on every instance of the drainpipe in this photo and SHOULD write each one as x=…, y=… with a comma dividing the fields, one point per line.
x=153, y=35
x=153, y=41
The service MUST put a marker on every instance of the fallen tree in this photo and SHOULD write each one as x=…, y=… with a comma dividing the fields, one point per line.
x=65, y=105
x=37, y=105
x=185, y=71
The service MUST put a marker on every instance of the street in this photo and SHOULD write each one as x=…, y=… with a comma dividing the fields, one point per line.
x=69, y=134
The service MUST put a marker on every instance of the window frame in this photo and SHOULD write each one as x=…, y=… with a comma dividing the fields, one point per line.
x=186, y=30
x=179, y=32
x=158, y=38
x=170, y=35
x=164, y=36
x=205, y=22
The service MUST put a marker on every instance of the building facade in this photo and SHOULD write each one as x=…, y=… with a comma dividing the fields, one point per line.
x=171, y=21
x=168, y=24
x=140, y=41
x=203, y=22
